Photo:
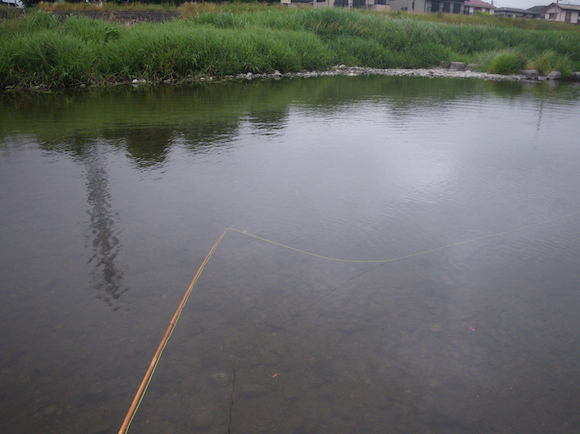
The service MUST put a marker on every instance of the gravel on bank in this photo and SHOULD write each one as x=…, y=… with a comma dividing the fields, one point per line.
x=357, y=71
x=354, y=71
x=339, y=70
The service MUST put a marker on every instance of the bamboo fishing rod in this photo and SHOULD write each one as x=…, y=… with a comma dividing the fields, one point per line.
x=145, y=383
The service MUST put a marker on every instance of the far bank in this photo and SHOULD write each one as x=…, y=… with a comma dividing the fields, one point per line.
x=52, y=50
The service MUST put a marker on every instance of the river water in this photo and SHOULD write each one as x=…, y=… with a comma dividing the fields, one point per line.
x=466, y=190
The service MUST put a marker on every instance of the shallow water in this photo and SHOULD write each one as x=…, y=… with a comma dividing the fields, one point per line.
x=111, y=201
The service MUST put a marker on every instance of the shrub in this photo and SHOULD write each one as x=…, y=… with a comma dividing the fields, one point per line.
x=550, y=61
x=506, y=62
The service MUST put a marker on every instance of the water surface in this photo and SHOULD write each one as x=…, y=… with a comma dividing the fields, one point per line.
x=111, y=201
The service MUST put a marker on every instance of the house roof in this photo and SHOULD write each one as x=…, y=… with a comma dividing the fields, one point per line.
x=564, y=7
x=537, y=9
x=514, y=10
x=479, y=4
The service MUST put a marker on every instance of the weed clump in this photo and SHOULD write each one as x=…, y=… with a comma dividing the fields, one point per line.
x=549, y=61
x=506, y=62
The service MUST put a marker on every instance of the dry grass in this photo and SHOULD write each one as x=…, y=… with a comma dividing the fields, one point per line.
x=104, y=6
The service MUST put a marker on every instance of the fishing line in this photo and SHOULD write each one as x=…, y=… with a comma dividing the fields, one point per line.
x=496, y=234
x=380, y=262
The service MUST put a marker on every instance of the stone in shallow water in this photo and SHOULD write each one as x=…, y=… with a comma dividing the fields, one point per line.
x=203, y=419
x=269, y=359
x=96, y=392
x=253, y=390
x=531, y=73
x=290, y=392
x=101, y=428
x=457, y=66
x=49, y=410
x=220, y=378
x=436, y=328
x=350, y=327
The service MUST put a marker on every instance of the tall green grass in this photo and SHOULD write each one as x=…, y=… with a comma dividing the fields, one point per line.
x=40, y=48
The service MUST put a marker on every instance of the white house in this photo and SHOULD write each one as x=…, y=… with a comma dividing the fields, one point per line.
x=473, y=6
x=366, y=4
x=417, y=6
x=14, y=3
x=562, y=13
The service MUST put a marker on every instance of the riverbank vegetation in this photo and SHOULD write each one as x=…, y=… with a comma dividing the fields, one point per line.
x=41, y=47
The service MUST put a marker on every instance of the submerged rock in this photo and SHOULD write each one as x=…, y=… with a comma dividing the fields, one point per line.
x=436, y=328
x=253, y=390
x=291, y=392
x=457, y=66
x=96, y=392
x=531, y=73
x=203, y=419
x=101, y=428
x=220, y=378
x=48, y=410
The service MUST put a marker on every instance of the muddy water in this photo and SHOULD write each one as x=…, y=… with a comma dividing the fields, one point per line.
x=465, y=190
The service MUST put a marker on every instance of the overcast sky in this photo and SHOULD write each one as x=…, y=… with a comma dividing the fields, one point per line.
x=525, y=4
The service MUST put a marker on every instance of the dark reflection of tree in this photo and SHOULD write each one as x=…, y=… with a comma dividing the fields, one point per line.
x=147, y=147
x=539, y=123
x=505, y=89
x=210, y=136
x=269, y=123
x=107, y=274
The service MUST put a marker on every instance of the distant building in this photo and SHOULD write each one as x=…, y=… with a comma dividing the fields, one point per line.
x=562, y=13
x=515, y=13
x=473, y=6
x=379, y=5
x=448, y=7
x=538, y=10
x=418, y=6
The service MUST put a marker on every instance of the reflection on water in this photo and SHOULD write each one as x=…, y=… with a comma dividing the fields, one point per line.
x=107, y=276
x=129, y=189
x=147, y=146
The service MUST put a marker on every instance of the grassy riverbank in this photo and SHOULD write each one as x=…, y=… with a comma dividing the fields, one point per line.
x=41, y=48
